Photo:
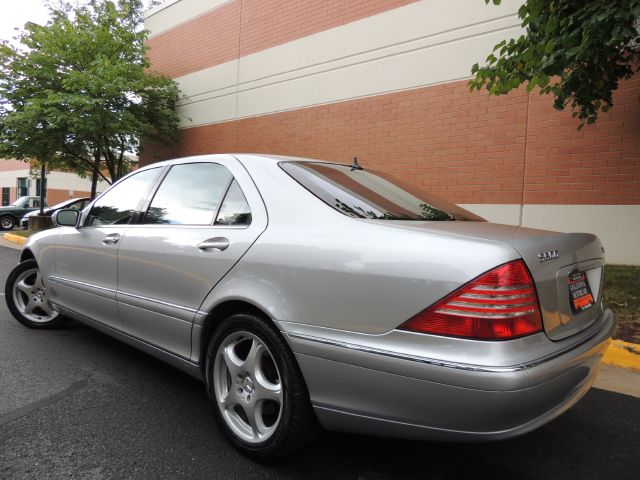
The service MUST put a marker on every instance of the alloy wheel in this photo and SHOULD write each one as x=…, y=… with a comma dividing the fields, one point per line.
x=248, y=387
x=30, y=297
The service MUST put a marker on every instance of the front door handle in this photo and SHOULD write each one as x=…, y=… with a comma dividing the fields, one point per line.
x=217, y=243
x=111, y=239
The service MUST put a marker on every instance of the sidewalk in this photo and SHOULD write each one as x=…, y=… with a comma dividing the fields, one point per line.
x=10, y=243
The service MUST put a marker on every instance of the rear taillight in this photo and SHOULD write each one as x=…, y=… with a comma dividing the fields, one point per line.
x=498, y=305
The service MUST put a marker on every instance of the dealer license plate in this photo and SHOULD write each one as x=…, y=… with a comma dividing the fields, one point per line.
x=580, y=294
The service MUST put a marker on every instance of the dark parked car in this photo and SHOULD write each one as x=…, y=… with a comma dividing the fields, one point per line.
x=74, y=203
x=10, y=214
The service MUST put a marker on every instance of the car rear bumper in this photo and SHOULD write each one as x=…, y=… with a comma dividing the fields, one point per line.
x=354, y=394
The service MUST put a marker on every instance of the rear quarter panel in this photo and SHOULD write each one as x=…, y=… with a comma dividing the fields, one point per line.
x=353, y=275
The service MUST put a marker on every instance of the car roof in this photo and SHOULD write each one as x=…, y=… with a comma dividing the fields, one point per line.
x=267, y=158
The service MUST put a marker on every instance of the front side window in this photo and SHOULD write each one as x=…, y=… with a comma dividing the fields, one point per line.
x=364, y=193
x=190, y=194
x=118, y=205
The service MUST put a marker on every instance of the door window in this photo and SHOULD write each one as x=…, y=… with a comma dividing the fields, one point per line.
x=119, y=204
x=6, y=196
x=190, y=194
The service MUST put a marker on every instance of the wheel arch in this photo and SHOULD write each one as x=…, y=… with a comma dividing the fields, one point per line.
x=214, y=317
x=26, y=254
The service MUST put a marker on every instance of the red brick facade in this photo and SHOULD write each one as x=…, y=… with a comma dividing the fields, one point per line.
x=467, y=147
x=242, y=27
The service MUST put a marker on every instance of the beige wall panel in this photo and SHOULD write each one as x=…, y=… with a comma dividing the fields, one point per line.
x=508, y=214
x=219, y=102
x=618, y=226
x=416, y=45
x=413, y=69
x=8, y=178
x=172, y=13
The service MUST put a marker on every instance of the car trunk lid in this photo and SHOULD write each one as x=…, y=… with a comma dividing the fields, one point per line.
x=566, y=267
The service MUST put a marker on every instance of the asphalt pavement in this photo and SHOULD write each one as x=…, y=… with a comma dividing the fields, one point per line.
x=75, y=403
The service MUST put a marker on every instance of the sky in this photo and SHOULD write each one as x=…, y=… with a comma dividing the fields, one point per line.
x=15, y=13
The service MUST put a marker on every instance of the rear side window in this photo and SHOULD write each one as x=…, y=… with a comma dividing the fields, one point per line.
x=190, y=194
x=364, y=193
x=118, y=205
x=234, y=209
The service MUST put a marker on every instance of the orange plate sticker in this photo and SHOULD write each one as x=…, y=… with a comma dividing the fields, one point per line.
x=579, y=292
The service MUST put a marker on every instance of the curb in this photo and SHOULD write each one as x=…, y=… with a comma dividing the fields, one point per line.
x=623, y=354
x=15, y=238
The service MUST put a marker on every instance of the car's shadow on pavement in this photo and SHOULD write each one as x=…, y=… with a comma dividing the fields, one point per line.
x=131, y=415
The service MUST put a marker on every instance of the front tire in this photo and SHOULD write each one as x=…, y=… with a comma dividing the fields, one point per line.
x=7, y=222
x=26, y=297
x=256, y=389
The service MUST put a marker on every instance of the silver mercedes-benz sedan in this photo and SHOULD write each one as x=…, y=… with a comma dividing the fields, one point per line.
x=307, y=293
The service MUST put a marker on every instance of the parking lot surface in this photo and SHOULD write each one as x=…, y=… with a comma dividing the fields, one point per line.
x=75, y=403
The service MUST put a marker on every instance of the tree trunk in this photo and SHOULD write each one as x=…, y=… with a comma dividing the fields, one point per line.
x=43, y=184
x=95, y=176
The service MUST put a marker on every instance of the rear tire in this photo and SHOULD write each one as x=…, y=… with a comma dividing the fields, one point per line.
x=26, y=297
x=7, y=222
x=256, y=389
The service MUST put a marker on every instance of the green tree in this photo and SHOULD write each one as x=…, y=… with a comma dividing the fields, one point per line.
x=79, y=92
x=574, y=49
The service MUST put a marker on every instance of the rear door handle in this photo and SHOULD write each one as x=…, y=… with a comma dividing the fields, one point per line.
x=111, y=239
x=217, y=243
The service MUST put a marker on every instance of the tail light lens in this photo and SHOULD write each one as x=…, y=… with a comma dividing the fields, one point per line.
x=500, y=304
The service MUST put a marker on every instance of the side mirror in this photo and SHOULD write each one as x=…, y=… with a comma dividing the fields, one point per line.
x=66, y=218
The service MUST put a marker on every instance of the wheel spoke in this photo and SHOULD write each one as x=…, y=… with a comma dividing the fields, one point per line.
x=254, y=415
x=24, y=288
x=266, y=390
x=30, y=307
x=231, y=360
x=38, y=283
x=230, y=399
x=252, y=363
x=46, y=307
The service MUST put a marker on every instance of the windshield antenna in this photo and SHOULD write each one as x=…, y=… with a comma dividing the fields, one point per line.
x=355, y=165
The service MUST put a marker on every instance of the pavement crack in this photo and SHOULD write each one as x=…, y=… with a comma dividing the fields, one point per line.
x=44, y=402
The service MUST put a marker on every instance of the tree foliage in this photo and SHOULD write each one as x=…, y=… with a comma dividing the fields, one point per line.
x=79, y=89
x=574, y=49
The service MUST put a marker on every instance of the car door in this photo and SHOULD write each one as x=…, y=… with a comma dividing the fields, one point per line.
x=85, y=275
x=202, y=218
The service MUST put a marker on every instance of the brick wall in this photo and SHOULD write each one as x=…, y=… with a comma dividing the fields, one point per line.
x=56, y=195
x=600, y=165
x=248, y=26
x=467, y=147
x=7, y=165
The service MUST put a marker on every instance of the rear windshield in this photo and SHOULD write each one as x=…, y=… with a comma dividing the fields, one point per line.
x=364, y=193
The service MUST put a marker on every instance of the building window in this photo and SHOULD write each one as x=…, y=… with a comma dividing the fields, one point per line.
x=23, y=188
x=38, y=185
x=6, y=196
